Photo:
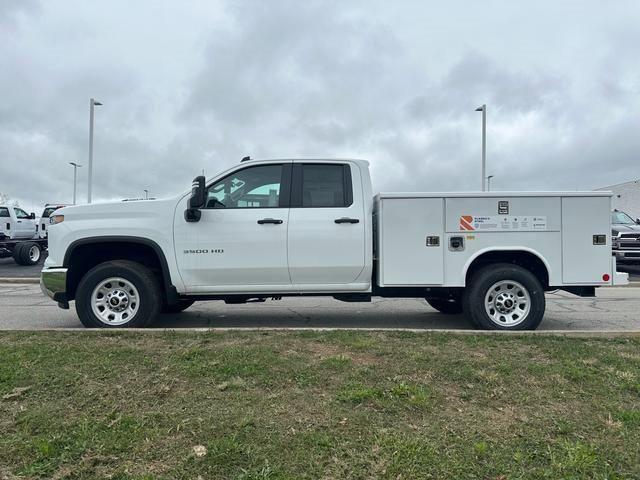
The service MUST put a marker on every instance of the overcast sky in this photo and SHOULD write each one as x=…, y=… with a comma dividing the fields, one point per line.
x=192, y=85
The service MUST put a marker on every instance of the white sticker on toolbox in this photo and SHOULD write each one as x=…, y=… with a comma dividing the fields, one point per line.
x=501, y=223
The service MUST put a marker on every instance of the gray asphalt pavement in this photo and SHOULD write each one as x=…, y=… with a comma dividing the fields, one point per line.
x=10, y=269
x=25, y=307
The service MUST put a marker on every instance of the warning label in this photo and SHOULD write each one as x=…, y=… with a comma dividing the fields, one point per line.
x=502, y=223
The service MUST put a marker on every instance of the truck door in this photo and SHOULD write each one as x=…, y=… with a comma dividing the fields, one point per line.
x=241, y=238
x=326, y=225
x=25, y=227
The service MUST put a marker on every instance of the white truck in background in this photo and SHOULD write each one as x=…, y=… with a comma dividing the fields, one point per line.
x=43, y=221
x=18, y=236
x=273, y=228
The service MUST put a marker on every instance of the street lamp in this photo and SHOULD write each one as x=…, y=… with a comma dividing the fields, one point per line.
x=92, y=103
x=146, y=194
x=483, y=109
x=489, y=182
x=75, y=178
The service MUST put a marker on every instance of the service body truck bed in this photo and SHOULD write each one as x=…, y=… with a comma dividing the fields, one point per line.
x=447, y=231
x=273, y=228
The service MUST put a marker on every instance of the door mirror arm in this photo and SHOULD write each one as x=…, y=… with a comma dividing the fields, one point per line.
x=196, y=200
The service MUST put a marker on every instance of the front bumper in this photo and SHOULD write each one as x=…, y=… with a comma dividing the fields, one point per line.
x=53, y=282
x=627, y=256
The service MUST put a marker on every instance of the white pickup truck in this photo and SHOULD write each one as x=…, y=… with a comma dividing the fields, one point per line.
x=272, y=228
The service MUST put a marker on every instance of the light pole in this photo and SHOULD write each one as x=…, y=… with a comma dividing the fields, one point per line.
x=75, y=178
x=146, y=194
x=92, y=103
x=489, y=182
x=483, y=109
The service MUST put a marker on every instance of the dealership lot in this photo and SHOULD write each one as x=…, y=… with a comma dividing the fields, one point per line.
x=23, y=306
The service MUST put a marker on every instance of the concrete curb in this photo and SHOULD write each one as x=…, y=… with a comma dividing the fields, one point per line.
x=25, y=280
x=534, y=333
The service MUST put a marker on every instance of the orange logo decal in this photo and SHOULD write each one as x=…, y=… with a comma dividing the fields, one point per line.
x=466, y=222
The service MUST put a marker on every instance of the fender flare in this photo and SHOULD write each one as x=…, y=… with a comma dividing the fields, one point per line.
x=170, y=290
x=481, y=252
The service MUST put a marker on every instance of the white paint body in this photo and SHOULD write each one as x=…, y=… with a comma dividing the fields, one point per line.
x=309, y=253
x=14, y=225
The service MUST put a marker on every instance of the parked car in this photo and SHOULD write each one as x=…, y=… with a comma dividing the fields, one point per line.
x=43, y=222
x=625, y=237
x=272, y=228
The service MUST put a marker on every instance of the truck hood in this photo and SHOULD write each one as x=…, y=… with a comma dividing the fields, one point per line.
x=119, y=210
x=621, y=228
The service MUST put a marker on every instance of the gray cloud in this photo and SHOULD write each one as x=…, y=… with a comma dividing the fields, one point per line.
x=198, y=85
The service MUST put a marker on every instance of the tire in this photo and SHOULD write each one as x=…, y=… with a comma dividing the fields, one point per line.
x=132, y=287
x=504, y=296
x=181, y=306
x=17, y=253
x=448, y=307
x=30, y=253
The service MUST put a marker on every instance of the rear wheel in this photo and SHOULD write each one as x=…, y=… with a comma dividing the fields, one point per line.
x=31, y=253
x=446, y=306
x=182, y=305
x=118, y=294
x=504, y=297
x=17, y=253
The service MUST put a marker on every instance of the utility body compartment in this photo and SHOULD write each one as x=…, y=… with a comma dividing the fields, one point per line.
x=432, y=239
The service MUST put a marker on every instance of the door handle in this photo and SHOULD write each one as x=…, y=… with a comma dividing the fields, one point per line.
x=275, y=221
x=346, y=220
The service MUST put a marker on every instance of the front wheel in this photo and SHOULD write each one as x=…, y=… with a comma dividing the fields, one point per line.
x=504, y=297
x=118, y=293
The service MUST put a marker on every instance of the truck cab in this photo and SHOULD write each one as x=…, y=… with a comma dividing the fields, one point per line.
x=288, y=227
x=16, y=224
x=279, y=227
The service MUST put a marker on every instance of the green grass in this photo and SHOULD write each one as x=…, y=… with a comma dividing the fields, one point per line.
x=292, y=405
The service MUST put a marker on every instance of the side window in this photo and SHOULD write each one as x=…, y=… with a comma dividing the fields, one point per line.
x=325, y=185
x=4, y=212
x=21, y=214
x=253, y=187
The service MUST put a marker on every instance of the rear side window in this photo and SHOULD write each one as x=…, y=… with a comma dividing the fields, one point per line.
x=4, y=212
x=323, y=185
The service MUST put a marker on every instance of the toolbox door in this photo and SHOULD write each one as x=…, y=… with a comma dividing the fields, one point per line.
x=585, y=260
x=412, y=238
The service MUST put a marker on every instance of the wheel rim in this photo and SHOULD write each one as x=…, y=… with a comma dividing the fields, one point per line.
x=507, y=303
x=34, y=253
x=115, y=301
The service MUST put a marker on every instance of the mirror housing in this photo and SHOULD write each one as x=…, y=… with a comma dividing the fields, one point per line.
x=198, y=193
x=197, y=199
x=637, y=221
x=32, y=216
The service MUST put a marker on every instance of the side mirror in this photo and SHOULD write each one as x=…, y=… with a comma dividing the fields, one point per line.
x=32, y=216
x=196, y=200
x=637, y=221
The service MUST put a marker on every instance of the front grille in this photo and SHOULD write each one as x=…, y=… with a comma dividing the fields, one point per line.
x=630, y=235
x=628, y=243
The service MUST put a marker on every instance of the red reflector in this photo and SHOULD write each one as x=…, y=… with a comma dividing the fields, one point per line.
x=606, y=277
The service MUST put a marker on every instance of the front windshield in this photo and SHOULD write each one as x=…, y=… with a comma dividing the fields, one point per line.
x=621, y=218
x=48, y=211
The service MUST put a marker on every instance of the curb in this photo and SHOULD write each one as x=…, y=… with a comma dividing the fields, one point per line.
x=24, y=280
x=484, y=333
